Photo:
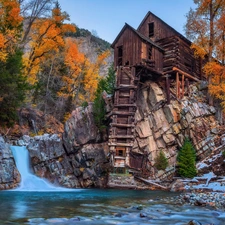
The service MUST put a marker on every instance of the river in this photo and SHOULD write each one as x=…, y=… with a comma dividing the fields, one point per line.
x=94, y=206
x=36, y=202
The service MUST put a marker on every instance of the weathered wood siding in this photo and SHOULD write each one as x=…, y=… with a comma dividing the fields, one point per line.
x=161, y=29
x=179, y=54
x=131, y=45
x=135, y=51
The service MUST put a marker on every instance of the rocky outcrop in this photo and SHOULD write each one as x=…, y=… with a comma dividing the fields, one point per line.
x=9, y=175
x=77, y=161
x=80, y=129
x=163, y=127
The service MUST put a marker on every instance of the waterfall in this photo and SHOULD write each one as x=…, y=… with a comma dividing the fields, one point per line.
x=30, y=182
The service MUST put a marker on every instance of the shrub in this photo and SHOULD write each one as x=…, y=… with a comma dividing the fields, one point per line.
x=161, y=162
x=223, y=153
x=186, y=160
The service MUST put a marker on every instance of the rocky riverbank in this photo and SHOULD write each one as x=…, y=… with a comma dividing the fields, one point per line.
x=207, y=199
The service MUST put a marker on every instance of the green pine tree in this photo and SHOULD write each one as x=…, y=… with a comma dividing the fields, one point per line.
x=105, y=84
x=12, y=88
x=99, y=105
x=186, y=160
x=161, y=162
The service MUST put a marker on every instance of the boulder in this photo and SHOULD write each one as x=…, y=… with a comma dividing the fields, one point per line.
x=9, y=175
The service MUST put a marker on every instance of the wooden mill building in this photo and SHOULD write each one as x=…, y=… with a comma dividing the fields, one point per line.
x=152, y=51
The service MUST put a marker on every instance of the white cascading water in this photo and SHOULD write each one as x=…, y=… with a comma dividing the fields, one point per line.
x=29, y=182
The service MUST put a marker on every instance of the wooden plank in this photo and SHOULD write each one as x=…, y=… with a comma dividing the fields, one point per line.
x=123, y=113
x=126, y=105
x=121, y=125
x=126, y=87
x=151, y=182
x=122, y=136
x=120, y=144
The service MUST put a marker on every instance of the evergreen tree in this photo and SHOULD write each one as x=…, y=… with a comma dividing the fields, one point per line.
x=12, y=88
x=186, y=160
x=161, y=162
x=110, y=81
x=99, y=105
x=105, y=84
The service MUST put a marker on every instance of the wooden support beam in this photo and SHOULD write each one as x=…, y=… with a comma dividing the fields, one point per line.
x=168, y=88
x=185, y=74
x=182, y=94
x=177, y=85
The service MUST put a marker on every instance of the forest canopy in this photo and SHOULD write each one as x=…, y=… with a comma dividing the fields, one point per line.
x=41, y=64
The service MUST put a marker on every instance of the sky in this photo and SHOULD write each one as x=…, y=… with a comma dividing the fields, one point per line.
x=107, y=17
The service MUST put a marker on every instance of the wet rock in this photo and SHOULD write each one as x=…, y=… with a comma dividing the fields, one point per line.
x=85, y=168
x=9, y=175
x=194, y=222
x=143, y=215
x=178, y=185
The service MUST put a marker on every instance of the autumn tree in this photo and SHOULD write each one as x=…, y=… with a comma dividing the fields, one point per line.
x=81, y=79
x=33, y=10
x=46, y=40
x=205, y=27
x=10, y=27
x=12, y=82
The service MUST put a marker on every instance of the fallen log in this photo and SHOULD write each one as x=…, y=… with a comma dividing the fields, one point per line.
x=151, y=182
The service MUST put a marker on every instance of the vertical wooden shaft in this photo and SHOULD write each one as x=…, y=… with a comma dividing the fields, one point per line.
x=200, y=67
x=168, y=89
x=177, y=85
x=187, y=85
x=182, y=95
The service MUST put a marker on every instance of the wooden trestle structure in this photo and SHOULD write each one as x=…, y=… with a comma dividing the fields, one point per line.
x=121, y=136
x=153, y=51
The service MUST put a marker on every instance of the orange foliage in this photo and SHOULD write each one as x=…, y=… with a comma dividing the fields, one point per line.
x=10, y=22
x=47, y=39
x=217, y=86
x=82, y=77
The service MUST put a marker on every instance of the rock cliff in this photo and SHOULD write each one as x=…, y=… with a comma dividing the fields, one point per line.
x=9, y=175
x=160, y=126
x=77, y=160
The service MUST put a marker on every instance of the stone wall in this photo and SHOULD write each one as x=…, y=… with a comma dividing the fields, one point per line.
x=160, y=126
x=9, y=175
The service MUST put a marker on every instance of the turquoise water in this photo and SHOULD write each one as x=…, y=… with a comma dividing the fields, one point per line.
x=94, y=206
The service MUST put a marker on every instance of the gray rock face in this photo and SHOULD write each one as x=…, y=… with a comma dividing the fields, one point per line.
x=68, y=163
x=9, y=175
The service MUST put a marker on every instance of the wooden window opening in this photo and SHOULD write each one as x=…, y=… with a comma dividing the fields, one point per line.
x=120, y=55
x=151, y=29
x=150, y=52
